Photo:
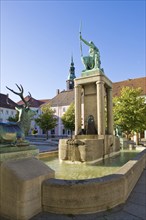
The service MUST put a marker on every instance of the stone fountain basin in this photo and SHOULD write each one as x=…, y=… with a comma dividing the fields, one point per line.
x=92, y=195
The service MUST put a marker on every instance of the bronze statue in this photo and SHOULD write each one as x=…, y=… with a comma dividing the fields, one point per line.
x=11, y=133
x=93, y=60
x=25, y=107
x=24, y=110
x=14, y=133
x=91, y=129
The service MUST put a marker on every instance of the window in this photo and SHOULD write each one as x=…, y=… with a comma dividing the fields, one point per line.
x=7, y=112
x=63, y=131
x=64, y=109
x=52, y=131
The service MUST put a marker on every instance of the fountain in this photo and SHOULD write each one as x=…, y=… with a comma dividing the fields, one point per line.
x=28, y=186
x=21, y=173
x=81, y=171
x=93, y=140
x=12, y=134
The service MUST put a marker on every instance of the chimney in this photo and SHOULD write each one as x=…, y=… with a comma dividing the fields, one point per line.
x=57, y=91
x=7, y=98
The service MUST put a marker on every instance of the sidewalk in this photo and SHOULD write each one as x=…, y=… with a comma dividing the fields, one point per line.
x=133, y=209
x=42, y=144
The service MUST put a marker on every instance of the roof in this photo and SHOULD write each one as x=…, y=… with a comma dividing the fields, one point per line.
x=44, y=100
x=33, y=102
x=134, y=83
x=6, y=102
x=64, y=98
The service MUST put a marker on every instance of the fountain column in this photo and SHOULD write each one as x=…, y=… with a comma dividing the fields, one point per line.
x=100, y=108
x=77, y=109
x=109, y=111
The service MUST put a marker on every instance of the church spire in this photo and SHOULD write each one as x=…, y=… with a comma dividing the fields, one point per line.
x=72, y=62
x=71, y=76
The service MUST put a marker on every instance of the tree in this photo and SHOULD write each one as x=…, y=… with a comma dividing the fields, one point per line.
x=46, y=120
x=130, y=111
x=68, y=118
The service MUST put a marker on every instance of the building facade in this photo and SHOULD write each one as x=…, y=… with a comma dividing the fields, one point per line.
x=7, y=108
x=62, y=101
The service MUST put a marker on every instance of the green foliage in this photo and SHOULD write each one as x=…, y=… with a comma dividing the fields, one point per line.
x=130, y=110
x=68, y=118
x=34, y=131
x=46, y=120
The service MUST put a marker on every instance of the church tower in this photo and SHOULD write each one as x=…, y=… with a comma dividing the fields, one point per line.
x=71, y=76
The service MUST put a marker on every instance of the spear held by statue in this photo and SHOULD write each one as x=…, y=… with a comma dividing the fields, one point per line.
x=80, y=40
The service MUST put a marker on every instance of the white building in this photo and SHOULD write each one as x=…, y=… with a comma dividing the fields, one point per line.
x=62, y=101
x=60, y=104
x=7, y=108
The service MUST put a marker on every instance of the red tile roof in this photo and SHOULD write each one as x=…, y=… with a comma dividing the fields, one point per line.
x=44, y=100
x=33, y=102
x=6, y=102
x=67, y=97
x=134, y=83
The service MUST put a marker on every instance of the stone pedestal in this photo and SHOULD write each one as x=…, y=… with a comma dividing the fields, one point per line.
x=78, y=109
x=93, y=117
x=100, y=107
x=20, y=187
x=96, y=96
x=88, y=148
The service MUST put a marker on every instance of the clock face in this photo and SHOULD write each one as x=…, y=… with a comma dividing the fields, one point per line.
x=70, y=82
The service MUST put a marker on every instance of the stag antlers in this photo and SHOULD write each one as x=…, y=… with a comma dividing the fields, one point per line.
x=26, y=103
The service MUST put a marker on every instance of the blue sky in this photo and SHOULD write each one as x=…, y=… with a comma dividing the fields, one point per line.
x=39, y=37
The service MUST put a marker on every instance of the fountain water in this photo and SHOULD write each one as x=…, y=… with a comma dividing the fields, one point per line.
x=77, y=170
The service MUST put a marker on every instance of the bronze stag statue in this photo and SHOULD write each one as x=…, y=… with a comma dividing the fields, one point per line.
x=14, y=133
